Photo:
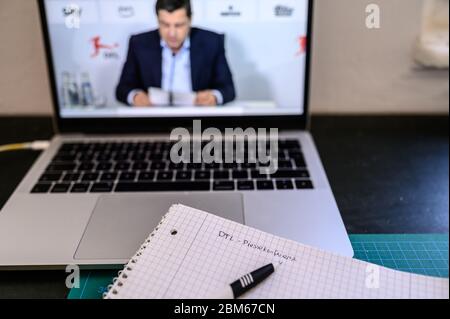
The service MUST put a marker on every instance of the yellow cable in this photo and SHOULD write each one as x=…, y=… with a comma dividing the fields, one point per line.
x=35, y=145
x=13, y=147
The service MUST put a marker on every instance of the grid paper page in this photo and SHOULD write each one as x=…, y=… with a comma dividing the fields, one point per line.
x=193, y=254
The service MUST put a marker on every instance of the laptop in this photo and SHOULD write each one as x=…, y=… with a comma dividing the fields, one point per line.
x=107, y=178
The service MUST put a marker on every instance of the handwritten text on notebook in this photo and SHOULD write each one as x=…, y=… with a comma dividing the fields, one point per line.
x=255, y=245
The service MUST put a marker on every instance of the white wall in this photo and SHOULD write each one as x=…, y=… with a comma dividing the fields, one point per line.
x=24, y=86
x=355, y=70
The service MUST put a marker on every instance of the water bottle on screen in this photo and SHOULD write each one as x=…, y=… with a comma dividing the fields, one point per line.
x=74, y=95
x=70, y=93
x=66, y=100
x=87, y=93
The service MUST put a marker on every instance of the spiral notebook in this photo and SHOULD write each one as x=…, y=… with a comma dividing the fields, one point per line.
x=193, y=254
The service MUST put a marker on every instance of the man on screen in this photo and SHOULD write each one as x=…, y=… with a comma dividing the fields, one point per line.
x=176, y=58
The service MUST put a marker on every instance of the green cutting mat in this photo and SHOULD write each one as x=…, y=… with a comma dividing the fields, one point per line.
x=420, y=254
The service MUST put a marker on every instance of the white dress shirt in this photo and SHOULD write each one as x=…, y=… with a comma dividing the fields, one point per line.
x=176, y=72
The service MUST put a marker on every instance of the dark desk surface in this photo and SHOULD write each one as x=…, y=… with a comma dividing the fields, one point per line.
x=388, y=174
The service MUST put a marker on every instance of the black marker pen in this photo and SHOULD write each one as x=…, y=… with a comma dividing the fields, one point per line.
x=246, y=282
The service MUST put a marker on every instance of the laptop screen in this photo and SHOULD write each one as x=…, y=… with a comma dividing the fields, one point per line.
x=118, y=58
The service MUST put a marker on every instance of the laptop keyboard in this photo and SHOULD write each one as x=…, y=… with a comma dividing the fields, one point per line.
x=104, y=167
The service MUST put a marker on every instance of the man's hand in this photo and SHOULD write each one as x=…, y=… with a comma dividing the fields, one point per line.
x=141, y=99
x=206, y=98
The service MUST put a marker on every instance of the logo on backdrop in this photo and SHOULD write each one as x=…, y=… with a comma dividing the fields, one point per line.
x=230, y=12
x=125, y=11
x=283, y=11
x=108, y=50
x=302, y=43
x=72, y=16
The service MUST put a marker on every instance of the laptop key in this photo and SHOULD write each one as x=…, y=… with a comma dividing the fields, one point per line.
x=138, y=157
x=178, y=166
x=146, y=176
x=289, y=144
x=61, y=167
x=245, y=185
x=102, y=188
x=121, y=157
x=300, y=173
x=223, y=186
x=104, y=157
x=122, y=166
x=194, y=166
x=90, y=177
x=295, y=154
x=104, y=166
x=140, y=166
x=65, y=157
x=298, y=158
x=284, y=184
x=248, y=165
x=71, y=177
x=86, y=166
x=158, y=165
x=240, y=175
x=41, y=188
x=60, y=188
x=163, y=187
x=86, y=157
x=127, y=176
x=212, y=166
x=108, y=177
x=300, y=162
x=230, y=165
x=53, y=177
x=164, y=176
x=264, y=185
x=285, y=164
x=80, y=188
x=257, y=175
x=304, y=184
x=221, y=175
x=202, y=175
x=183, y=175
x=155, y=156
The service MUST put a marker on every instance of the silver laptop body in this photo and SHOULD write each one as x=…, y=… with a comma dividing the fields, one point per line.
x=104, y=229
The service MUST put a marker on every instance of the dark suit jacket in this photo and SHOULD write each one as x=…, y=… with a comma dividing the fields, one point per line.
x=209, y=67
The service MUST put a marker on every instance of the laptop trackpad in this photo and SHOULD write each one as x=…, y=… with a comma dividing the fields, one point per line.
x=120, y=223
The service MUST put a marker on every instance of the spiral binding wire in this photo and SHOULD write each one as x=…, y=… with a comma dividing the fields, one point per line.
x=123, y=274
